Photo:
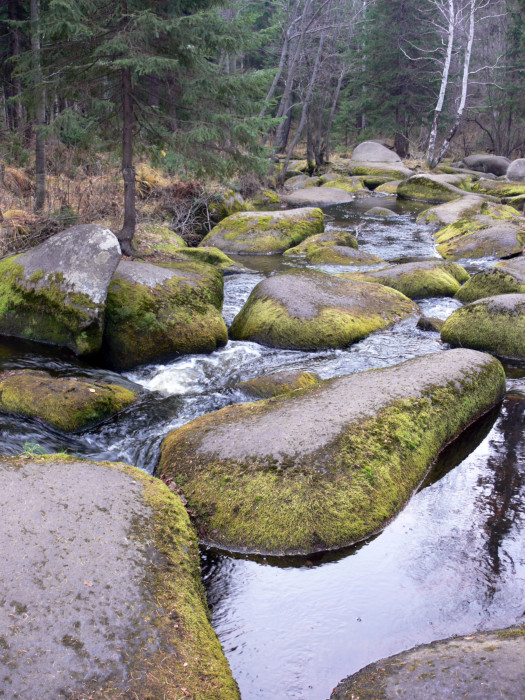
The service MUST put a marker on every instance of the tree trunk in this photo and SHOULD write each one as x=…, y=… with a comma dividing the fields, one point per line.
x=40, y=109
x=128, y=171
x=15, y=52
x=328, y=130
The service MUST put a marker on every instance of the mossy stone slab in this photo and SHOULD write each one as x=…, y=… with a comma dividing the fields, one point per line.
x=66, y=403
x=105, y=574
x=330, y=465
x=308, y=310
x=418, y=280
x=278, y=383
x=497, y=231
x=211, y=256
x=352, y=185
x=265, y=233
x=493, y=324
x=155, y=312
x=450, y=212
x=267, y=200
x=500, y=279
x=389, y=187
x=379, y=169
x=427, y=187
x=55, y=293
x=499, y=188
x=336, y=247
x=479, y=666
x=317, y=197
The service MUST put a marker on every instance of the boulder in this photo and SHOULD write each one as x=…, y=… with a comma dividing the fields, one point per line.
x=55, y=293
x=352, y=185
x=226, y=204
x=494, y=324
x=154, y=312
x=418, y=280
x=450, y=212
x=105, y=596
x=481, y=162
x=157, y=241
x=516, y=170
x=497, y=231
x=429, y=323
x=66, y=403
x=308, y=310
x=265, y=233
x=298, y=182
x=335, y=247
x=389, y=187
x=267, y=200
x=480, y=666
x=330, y=465
x=430, y=188
x=376, y=169
x=381, y=211
x=210, y=256
x=317, y=197
x=374, y=152
x=499, y=188
x=278, y=383
x=500, y=279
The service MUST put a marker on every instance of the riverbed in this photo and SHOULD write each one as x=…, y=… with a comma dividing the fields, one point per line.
x=451, y=563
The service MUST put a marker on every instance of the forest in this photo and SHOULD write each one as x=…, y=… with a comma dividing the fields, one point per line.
x=212, y=91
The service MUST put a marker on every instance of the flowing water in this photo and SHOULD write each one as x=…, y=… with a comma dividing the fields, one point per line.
x=452, y=562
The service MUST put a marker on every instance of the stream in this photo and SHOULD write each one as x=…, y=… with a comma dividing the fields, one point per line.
x=452, y=562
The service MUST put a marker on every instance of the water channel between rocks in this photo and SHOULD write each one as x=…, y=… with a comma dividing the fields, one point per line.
x=452, y=562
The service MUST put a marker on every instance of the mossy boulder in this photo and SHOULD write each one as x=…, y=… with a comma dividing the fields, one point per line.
x=226, y=204
x=325, y=467
x=498, y=188
x=388, y=187
x=488, y=283
x=426, y=187
x=429, y=323
x=55, y=293
x=317, y=197
x=298, y=182
x=418, y=280
x=450, y=212
x=308, y=310
x=497, y=231
x=278, y=383
x=66, y=403
x=265, y=233
x=481, y=665
x=153, y=241
x=267, y=200
x=336, y=247
x=381, y=212
x=352, y=185
x=154, y=312
x=210, y=256
x=334, y=237
x=495, y=324
x=110, y=581
x=394, y=171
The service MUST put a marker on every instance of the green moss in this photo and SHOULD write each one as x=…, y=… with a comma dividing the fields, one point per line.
x=278, y=383
x=326, y=248
x=512, y=633
x=226, y=204
x=367, y=474
x=265, y=200
x=189, y=659
x=65, y=403
x=388, y=187
x=489, y=283
x=41, y=309
x=369, y=170
x=208, y=255
x=177, y=317
x=421, y=188
x=475, y=326
x=499, y=188
x=347, y=185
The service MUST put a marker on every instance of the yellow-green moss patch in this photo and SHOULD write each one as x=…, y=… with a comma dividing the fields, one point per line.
x=278, y=383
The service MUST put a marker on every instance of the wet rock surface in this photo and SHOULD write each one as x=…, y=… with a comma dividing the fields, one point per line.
x=480, y=666
x=278, y=383
x=431, y=188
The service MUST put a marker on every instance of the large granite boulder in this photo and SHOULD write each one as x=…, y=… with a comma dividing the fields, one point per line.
x=55, y=293
x=418, y=280
x=503, y=189
x=500, y=279
x=450, y=212
x=336, y=247
x=494, y=324
x=278, y=383
x=105, y=598
x=389, y=188
x=516, y=170
x=66, y=403
x=497, y=231
x=374, y=152
x=330, y=465
x=299, y=182
x=426, y=187
x=154, y=312
x=481, y=162
x=307, y=310
x=352, y=185
x=265, y=233
x=317, y=197
x=480, y=666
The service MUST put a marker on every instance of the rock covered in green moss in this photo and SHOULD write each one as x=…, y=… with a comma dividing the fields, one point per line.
x=317, y=197
x=335, y=247
x=481, y=665
x=429, y=323
x=334, y=237
x=299, y=182
x=154, y=312
x=226, y=204
x=307, y=310
x=494, y=324
x=157, y=240
x=388, y=187
x=450, y=212
x=110, y=581
x=418, y=280
x=267, y=200
x=497, y=231
x=426, y=187
x=352, y=185
x=55, y=293
x=499, y=188
x=373, y=159
x=265, y=233
x=381, y=211
x=66, y=403
x=210, y=256
x=492, y=282
x=330, y=465
x=278, y=383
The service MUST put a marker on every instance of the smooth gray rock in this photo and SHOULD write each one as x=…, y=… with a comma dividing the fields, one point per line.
x=317, y=197
x=58, y=293
x=484, y=163
x=516, y=171
x=449, y=212
x=374, y=152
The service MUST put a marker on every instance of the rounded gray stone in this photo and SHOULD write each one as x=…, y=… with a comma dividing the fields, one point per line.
x=374, y=152
x=485, y=163
x=516, y=170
